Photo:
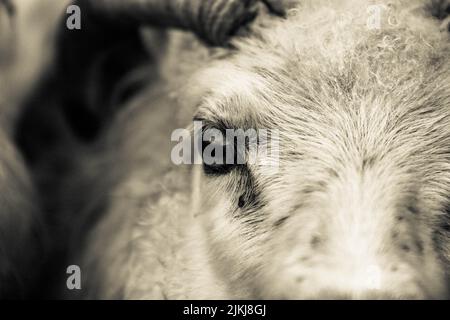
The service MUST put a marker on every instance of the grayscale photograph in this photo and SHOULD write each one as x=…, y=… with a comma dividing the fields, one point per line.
x=217, y=150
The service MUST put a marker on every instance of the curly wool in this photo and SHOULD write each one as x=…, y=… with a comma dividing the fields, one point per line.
x=320, y=81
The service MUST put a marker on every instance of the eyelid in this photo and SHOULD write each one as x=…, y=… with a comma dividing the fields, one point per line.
x=198, y=117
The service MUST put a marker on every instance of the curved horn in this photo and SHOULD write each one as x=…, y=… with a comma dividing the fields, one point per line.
x=214, y=21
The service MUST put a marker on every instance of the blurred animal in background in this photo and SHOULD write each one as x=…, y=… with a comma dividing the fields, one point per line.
x=26, y=29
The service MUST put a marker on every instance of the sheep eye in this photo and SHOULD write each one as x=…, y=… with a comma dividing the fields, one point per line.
x=214, y=155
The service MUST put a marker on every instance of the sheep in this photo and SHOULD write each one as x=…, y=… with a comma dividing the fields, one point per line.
x=358, y=204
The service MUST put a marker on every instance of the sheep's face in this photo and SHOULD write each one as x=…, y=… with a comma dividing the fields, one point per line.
x=358, y=204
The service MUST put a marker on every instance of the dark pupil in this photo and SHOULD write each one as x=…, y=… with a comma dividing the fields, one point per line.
x=217, y=168
x=241, y=201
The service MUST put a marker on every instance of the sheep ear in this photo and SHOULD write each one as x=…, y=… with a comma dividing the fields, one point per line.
x=108, y=45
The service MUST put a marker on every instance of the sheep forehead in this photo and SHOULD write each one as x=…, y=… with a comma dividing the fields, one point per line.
x=285, y=71
x=323, y=123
